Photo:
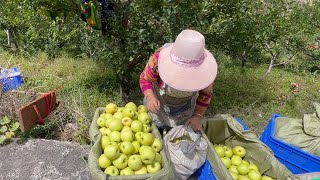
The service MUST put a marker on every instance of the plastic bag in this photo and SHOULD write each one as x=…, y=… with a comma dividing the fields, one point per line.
x=186, y=150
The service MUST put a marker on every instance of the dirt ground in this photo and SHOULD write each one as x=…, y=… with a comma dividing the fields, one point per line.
x=11, y=101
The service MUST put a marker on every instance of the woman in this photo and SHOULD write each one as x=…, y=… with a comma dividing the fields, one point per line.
x=177, y=81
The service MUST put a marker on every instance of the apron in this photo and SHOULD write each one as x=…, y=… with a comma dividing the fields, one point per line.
x=176, y=107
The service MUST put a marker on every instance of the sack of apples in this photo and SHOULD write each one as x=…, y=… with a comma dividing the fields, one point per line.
x=126, y=145
x=238, y=154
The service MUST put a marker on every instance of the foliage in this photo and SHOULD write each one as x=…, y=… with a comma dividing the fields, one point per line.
x=82, y=86
x=86, y=85
x=252, y=31
x=8, y=129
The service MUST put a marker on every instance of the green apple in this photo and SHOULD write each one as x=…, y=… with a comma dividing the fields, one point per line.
x=144, y=118
x=112, y=171
x=226, y=161
x=136, y=126
x=108, y=120
x=128, y=112
x=127, y=135
x=103, y=131
x=112, y=143
x=104, y=162
x=111, y=108
x=243, y=169
x=120, y=109
x=112, y=151
x=138, y=136
x=266, y=178
x=157, y=145
x=233, y=169
x=219, y=150
x=147, y=139
x=121, y=161
x=126, y=121
x=101, y=121
x=118, y=115
x=108, y=131
x=254, y=175
x=227, y=151
x=142, y=170
x=105, y=115
x=126, y=148
x=131, y=105
x=115, y=136
x=234, y=175
x=146, y=128
x=243, y=178
x=239, y=151
x=135, y=116
x=126, y=172
x=115, y=125
x=126, y=128
x=104, y=141
x=141, y=147
x=134, y=162
x=136, y=146
x=245, y=162
x=154, y=167
x=164, y=132
x=142, y=109
x=254, y=167
x=236, y=160
x=158, y=158
x=176, y=140
x=148, y=155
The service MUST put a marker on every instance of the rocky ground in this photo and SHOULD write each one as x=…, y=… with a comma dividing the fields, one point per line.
x=39, y=159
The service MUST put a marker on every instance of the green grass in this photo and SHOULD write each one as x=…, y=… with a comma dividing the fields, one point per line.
x=83, y=86
x=86, y=85
x=243, y=93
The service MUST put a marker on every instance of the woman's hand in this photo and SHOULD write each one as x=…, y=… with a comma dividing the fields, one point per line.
x=195, y=123
x=153, y=104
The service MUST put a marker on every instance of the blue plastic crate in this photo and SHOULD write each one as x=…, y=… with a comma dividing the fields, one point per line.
x=205, y=172
x=296, y=160
x=10, y=79
x=242, y=124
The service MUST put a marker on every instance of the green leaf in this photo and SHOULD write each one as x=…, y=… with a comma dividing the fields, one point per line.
x=2, y=139
x=3, y=129
x=14, y=127
x=9, y=135
x=5, y=120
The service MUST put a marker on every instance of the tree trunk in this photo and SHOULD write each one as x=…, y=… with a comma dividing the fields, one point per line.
x=125, y=81
x=9, y=37
x=125, y=78
x=243, y=58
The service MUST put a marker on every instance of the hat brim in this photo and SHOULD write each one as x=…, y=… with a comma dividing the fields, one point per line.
x=185, y=78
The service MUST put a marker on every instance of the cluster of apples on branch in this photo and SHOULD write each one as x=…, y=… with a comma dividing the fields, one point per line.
x=128, y=145
x=238, y=168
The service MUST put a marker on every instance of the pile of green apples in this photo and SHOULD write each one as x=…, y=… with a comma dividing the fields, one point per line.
x=238, y=168
x=128, y=145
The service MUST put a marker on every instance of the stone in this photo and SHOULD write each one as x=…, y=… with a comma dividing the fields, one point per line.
x=40, y=159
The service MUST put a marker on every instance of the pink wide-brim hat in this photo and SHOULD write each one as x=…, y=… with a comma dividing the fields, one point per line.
x=186, y=65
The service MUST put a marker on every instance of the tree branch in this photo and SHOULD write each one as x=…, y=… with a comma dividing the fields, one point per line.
x=287, y=62
x=269, y=68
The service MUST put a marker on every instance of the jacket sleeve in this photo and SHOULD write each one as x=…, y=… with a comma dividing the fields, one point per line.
x=150, y=73
x=203, y=100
